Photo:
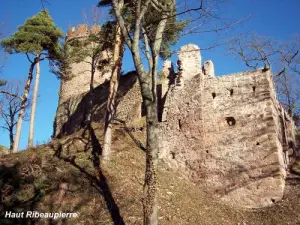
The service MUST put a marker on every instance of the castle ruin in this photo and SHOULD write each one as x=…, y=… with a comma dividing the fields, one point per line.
x=227, y=132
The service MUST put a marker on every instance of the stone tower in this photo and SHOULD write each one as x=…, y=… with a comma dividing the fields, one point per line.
x=77, y=84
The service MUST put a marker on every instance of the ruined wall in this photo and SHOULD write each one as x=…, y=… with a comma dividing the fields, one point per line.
x=285, y=130
x=74, y=91
x=72, y=114
x=225, y=132
x=189, y=56
x=78, y=80
x=222, y=132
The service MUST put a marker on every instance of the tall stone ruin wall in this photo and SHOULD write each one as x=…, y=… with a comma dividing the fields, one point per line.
x=227, y=132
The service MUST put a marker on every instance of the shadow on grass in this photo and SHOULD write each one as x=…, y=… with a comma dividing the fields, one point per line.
x=19, y=193
x=98, y=180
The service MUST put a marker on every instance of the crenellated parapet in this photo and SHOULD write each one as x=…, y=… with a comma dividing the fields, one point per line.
x=82, y=31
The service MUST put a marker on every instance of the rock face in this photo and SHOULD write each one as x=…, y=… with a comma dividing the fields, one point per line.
x=3, y=150
x=227, y=132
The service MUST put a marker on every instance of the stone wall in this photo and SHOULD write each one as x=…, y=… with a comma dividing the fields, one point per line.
x=78, y=81
x=189, y=57
x=77, y=85
x=224, y=132
x=72, y=113
x=227, y=132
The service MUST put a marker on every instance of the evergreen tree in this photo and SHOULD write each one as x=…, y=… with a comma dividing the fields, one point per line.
x=38, y=39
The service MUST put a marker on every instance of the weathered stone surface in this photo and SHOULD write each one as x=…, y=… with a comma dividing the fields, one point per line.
x=190, y=59
x=3, y=150
x=77, y=84
x=227, y=132
x=71, y=114
x=208, y=69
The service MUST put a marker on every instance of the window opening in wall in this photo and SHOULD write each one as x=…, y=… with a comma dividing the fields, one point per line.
x=230, y=121
x=179, y=124
x=231, y=92
x=173, y=155
x=213, y=94
x=253, y=88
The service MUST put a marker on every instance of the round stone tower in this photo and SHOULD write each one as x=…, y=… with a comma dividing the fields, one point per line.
x=76, y=84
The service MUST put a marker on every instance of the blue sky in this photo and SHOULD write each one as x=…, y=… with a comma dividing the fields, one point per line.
x=278, y=19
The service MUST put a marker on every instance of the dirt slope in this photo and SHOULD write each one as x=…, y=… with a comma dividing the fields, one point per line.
x=60, y=176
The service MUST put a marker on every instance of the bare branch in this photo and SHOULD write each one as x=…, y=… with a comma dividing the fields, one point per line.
x=11, y=94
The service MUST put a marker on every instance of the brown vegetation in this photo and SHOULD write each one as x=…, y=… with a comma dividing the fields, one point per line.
x=60, y=176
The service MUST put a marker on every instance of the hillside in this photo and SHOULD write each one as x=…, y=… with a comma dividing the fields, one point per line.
x=60, y=176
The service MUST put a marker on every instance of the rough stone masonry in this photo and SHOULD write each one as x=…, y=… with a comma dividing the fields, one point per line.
x=226, y=132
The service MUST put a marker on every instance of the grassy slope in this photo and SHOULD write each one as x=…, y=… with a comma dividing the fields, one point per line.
x=60, y=177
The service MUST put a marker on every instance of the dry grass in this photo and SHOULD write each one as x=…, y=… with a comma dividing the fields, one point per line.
x=66, y=182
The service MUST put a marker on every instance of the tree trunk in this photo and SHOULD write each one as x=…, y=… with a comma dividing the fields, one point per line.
x=150, y=203
x=23, y=106
x=91, y=100
x=11, y=138
x=148, y=90
x=113, y=88
x=34, y=101
x=149, y=94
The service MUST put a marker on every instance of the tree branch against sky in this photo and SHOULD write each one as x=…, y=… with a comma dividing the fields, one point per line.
x=10, y=106
x=283, y=58
x=150, y=22
x=265, y=22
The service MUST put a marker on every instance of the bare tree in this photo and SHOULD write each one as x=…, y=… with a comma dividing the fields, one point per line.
x=10, y=106
x=150, y=27
x=282, y=57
